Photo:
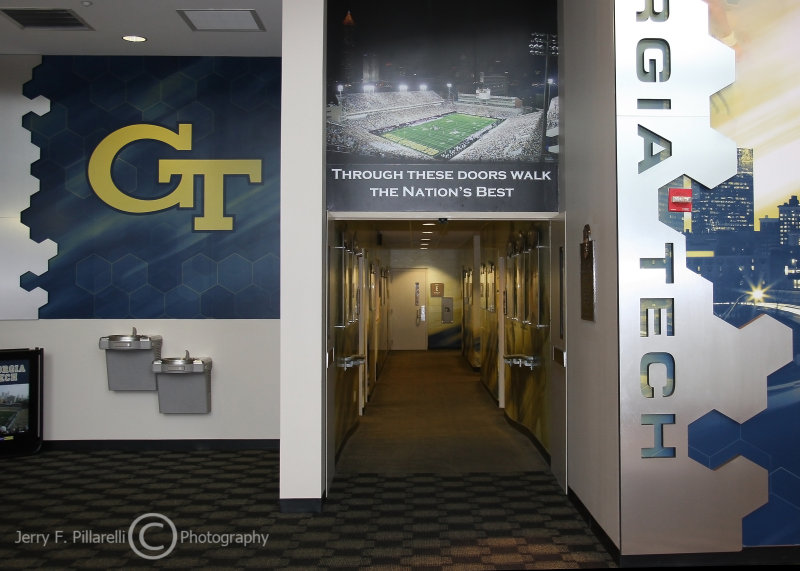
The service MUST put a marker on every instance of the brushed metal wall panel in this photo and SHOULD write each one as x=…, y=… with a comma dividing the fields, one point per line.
x=667, y=67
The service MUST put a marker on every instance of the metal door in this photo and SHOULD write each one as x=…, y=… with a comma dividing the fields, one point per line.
x=558, y=370
x=345, y=361
x=527, y=332
x=407, y=316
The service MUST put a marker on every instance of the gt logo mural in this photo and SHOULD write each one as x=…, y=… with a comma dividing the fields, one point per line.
x=156, y=193
x=213, y=174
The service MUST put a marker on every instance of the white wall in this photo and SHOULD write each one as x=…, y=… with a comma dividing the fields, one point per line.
x=303, y=250
x=77, y=402
x=444, y=266
x=79, y=406
x=588, y=184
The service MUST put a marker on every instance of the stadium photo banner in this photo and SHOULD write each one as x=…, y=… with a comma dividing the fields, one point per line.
x=443, y=106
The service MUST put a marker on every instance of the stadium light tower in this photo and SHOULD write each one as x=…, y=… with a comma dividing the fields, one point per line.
x=449, y=85
x=544, y=45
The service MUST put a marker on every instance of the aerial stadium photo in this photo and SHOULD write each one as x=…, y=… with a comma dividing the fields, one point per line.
x=14, y=407
x=442, y=82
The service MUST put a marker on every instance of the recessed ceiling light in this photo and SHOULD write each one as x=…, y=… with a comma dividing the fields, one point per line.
x=134, y=39
x=429, y=223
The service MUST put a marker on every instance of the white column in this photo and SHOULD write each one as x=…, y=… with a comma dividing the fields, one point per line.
x=587, y=181
x=302, y=330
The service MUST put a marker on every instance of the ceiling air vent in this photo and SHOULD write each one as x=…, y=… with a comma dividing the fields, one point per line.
x=222, y=20
x=45, y=19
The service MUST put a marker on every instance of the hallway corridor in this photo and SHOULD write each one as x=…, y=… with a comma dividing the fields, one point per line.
x=443, y=481
x=430, y=413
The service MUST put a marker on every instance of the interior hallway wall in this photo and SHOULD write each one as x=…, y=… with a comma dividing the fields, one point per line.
x=77, y=402
x=443, y=267
x=489, y=306
x=471, y=261
x=524, y=304
x=588, y=192
x=303, y=254
x=79, y=406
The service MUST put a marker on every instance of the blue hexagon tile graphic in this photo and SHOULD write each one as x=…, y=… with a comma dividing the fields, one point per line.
x=770, y=439
x=113, y=263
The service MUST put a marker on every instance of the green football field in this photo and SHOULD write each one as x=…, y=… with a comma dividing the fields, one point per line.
x=6, y=415
x=438, y=135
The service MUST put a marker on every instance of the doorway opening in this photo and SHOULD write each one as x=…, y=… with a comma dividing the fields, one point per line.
x=438, y=315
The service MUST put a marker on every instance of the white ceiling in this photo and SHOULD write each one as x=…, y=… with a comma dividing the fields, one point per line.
x=409, y=234
x=157, y=20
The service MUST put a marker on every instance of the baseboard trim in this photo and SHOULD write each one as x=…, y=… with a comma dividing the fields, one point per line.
x=346, y=437
x=301, y=505
x=748, y=556
x=526, y=431
x=595, y=528
x=178, y=445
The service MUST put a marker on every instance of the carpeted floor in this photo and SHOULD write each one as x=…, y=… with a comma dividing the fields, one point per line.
x=430, y=413
x=113, y=509
x=470, y=521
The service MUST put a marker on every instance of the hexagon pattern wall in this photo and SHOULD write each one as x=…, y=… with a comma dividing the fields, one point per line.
x=113, y=263
x=770, y=439
x=21, y=254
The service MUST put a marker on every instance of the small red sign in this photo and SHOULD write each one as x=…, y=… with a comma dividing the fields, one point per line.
x=680, y=199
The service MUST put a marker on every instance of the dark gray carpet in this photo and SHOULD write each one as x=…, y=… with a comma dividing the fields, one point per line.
x=430, y=413
x=370, y=521
x=433, y=478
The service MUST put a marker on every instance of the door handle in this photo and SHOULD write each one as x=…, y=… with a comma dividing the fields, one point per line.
x=529, y=361
x=351, y=361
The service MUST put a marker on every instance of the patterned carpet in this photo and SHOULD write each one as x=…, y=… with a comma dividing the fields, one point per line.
x=433, y=478
x=84, y=505
x=429, y=413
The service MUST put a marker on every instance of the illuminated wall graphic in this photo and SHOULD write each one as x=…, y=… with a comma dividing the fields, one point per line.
x=745, y=232
x=159, y=183
x=711, y=409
